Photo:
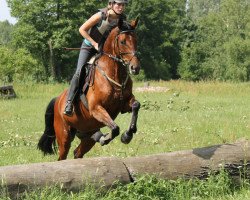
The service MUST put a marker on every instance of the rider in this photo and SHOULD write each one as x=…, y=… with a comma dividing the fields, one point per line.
x=93, y=30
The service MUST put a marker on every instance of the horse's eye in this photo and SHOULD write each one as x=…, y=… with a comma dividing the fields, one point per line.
x=123, y=42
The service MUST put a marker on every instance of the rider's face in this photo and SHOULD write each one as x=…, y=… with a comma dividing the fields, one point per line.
x=119, y=7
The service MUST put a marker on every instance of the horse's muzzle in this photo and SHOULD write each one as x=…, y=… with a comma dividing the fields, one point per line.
x=134, y=69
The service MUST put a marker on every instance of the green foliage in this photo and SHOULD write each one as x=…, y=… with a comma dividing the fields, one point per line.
x=193, y=40
x=19, y=65
x=5, y=30
x=45, y=27
x=159, y=35
x=148, y=187
x=220, y=47
x=57, y=23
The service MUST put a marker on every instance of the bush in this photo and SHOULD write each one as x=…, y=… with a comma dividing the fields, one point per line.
x=19, y=65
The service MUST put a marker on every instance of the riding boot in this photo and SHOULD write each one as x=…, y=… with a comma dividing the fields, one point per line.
x=73, y=90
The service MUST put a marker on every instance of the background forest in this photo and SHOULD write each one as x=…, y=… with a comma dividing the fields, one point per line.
x=178, y=39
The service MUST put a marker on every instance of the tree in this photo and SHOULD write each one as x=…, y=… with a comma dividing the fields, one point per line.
x=5, y=29
x=199, y=8
x=19, y=65
x=160, y=35
x=45, y=27
x=221, y=48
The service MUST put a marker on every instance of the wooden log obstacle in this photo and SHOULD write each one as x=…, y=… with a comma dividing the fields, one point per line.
x=105, y=171
x=7, y=92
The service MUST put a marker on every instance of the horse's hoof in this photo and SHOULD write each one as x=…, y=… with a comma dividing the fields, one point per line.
x=125, y=138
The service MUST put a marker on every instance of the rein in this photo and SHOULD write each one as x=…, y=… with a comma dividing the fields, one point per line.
x=122, y=86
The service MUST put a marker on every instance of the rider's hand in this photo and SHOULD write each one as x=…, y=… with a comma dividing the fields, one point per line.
x=95, y=45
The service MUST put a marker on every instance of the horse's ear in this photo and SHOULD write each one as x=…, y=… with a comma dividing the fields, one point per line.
x=120, y=23
x=135, y=22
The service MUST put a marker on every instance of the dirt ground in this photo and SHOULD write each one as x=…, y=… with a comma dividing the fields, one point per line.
x=151, y=89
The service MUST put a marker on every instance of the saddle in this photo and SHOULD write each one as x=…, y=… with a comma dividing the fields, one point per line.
x=89, y=79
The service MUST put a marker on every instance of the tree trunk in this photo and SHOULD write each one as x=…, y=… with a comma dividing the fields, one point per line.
x=52, y=60
x=74, y=174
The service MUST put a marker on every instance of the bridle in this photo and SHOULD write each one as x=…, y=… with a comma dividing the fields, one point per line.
x=119, y=59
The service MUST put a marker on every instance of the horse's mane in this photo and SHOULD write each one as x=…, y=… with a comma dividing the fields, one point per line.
x=126, y=26
x=122, y=26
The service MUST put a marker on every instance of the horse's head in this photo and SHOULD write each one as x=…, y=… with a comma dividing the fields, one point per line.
x=126, y=45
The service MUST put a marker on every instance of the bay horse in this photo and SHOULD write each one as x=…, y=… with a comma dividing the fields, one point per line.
x=109, y=94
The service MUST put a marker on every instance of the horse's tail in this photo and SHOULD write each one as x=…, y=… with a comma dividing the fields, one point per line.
x=47, y=141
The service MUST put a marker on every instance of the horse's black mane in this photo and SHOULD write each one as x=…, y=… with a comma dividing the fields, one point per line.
x=123, y=27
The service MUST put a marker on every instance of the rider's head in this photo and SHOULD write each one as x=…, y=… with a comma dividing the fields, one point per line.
x=117, y=6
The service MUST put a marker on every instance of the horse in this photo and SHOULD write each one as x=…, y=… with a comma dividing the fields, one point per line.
x=109, y=94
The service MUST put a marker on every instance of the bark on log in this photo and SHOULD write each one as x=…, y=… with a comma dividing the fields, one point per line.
x=74, y=174
x=199, y=162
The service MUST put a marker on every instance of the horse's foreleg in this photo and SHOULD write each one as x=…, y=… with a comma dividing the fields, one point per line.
x=128, y=135
x=100, y=114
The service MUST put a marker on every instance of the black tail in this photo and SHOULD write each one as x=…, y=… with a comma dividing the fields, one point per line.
x=47, y=142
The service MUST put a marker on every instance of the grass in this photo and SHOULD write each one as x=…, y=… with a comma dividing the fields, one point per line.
x=218, y=187
x=186, y=116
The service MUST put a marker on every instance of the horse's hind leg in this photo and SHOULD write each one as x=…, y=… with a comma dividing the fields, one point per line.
x=128, y=135
x=64, y=136
x=86, y=144
x=84, y=147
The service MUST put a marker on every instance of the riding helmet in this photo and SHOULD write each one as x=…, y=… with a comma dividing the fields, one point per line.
x=118, y=1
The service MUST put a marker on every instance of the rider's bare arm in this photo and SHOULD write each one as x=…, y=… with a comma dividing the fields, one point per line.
x=87, y=26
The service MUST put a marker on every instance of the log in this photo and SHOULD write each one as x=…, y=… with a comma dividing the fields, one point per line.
x=103, y=172
x=7, y=91
x=72, y=175
x=196, y=163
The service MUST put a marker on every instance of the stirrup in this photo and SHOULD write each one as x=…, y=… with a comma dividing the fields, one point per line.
x=68, y=109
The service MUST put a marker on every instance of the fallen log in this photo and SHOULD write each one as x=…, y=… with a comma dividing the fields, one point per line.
x=75, y=174
x=7, y=92
x=196, y=163
x=72, y=175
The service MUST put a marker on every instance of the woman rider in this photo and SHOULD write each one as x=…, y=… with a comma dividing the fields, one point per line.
x=93, y=31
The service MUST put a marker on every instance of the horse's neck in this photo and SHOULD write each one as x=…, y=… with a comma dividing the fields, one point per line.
x=108, y=46
x=112, y=68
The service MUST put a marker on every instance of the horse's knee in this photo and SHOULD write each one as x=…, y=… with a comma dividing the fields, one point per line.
x=136, y=106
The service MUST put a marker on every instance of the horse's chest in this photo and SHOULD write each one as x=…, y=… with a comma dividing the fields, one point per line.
x=119, y=96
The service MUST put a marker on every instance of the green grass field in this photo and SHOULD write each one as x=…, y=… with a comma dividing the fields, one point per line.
x=184, y=115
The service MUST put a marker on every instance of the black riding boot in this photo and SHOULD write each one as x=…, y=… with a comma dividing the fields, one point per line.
x=74, y=85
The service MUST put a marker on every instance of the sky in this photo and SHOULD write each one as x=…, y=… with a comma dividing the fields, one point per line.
x=5, y=12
